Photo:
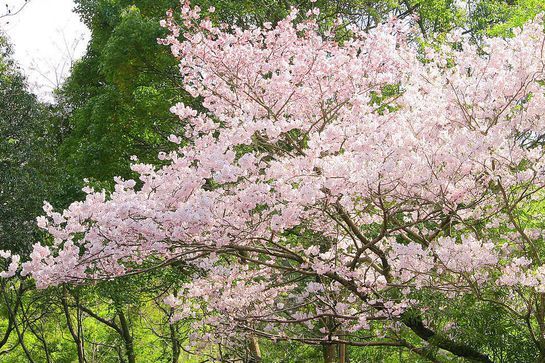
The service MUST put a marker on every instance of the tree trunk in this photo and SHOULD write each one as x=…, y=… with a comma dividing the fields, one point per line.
x=75, y=334
x=416, y=324
x=127, y=338
x=175, y=344
x=329, y=351
x=12, y=314
x=255, y=351
x=342, y=353
x=11, y=321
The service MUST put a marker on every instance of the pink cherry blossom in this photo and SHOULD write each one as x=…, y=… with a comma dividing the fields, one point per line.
x=322, y=176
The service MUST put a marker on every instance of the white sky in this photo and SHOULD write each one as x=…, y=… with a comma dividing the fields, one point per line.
x=47, y=36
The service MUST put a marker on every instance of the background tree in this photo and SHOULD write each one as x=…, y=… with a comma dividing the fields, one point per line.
x=27, y=157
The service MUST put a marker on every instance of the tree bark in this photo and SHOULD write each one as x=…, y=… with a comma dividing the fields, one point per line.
x=11, y=321
x=127, y=337
x=255, y=350
x=342, y=353
x=75, y=335
x=329, y=351
x=416, y=324
x=175, y=344
x=20, y=335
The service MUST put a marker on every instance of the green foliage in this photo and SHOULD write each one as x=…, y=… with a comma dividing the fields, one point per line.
x=499, y=18
x=120, y=92
x=27, y=156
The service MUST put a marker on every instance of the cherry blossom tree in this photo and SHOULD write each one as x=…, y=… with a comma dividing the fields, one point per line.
x=326, y=190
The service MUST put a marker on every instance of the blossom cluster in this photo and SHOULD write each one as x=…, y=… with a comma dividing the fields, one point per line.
x=320, y=177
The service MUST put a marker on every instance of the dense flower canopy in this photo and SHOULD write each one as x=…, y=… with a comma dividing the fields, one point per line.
x=325, y=184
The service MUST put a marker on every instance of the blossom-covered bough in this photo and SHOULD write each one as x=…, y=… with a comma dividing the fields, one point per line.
x=331, y=191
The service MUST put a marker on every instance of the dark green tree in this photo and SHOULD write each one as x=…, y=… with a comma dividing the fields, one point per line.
x=27, y=156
